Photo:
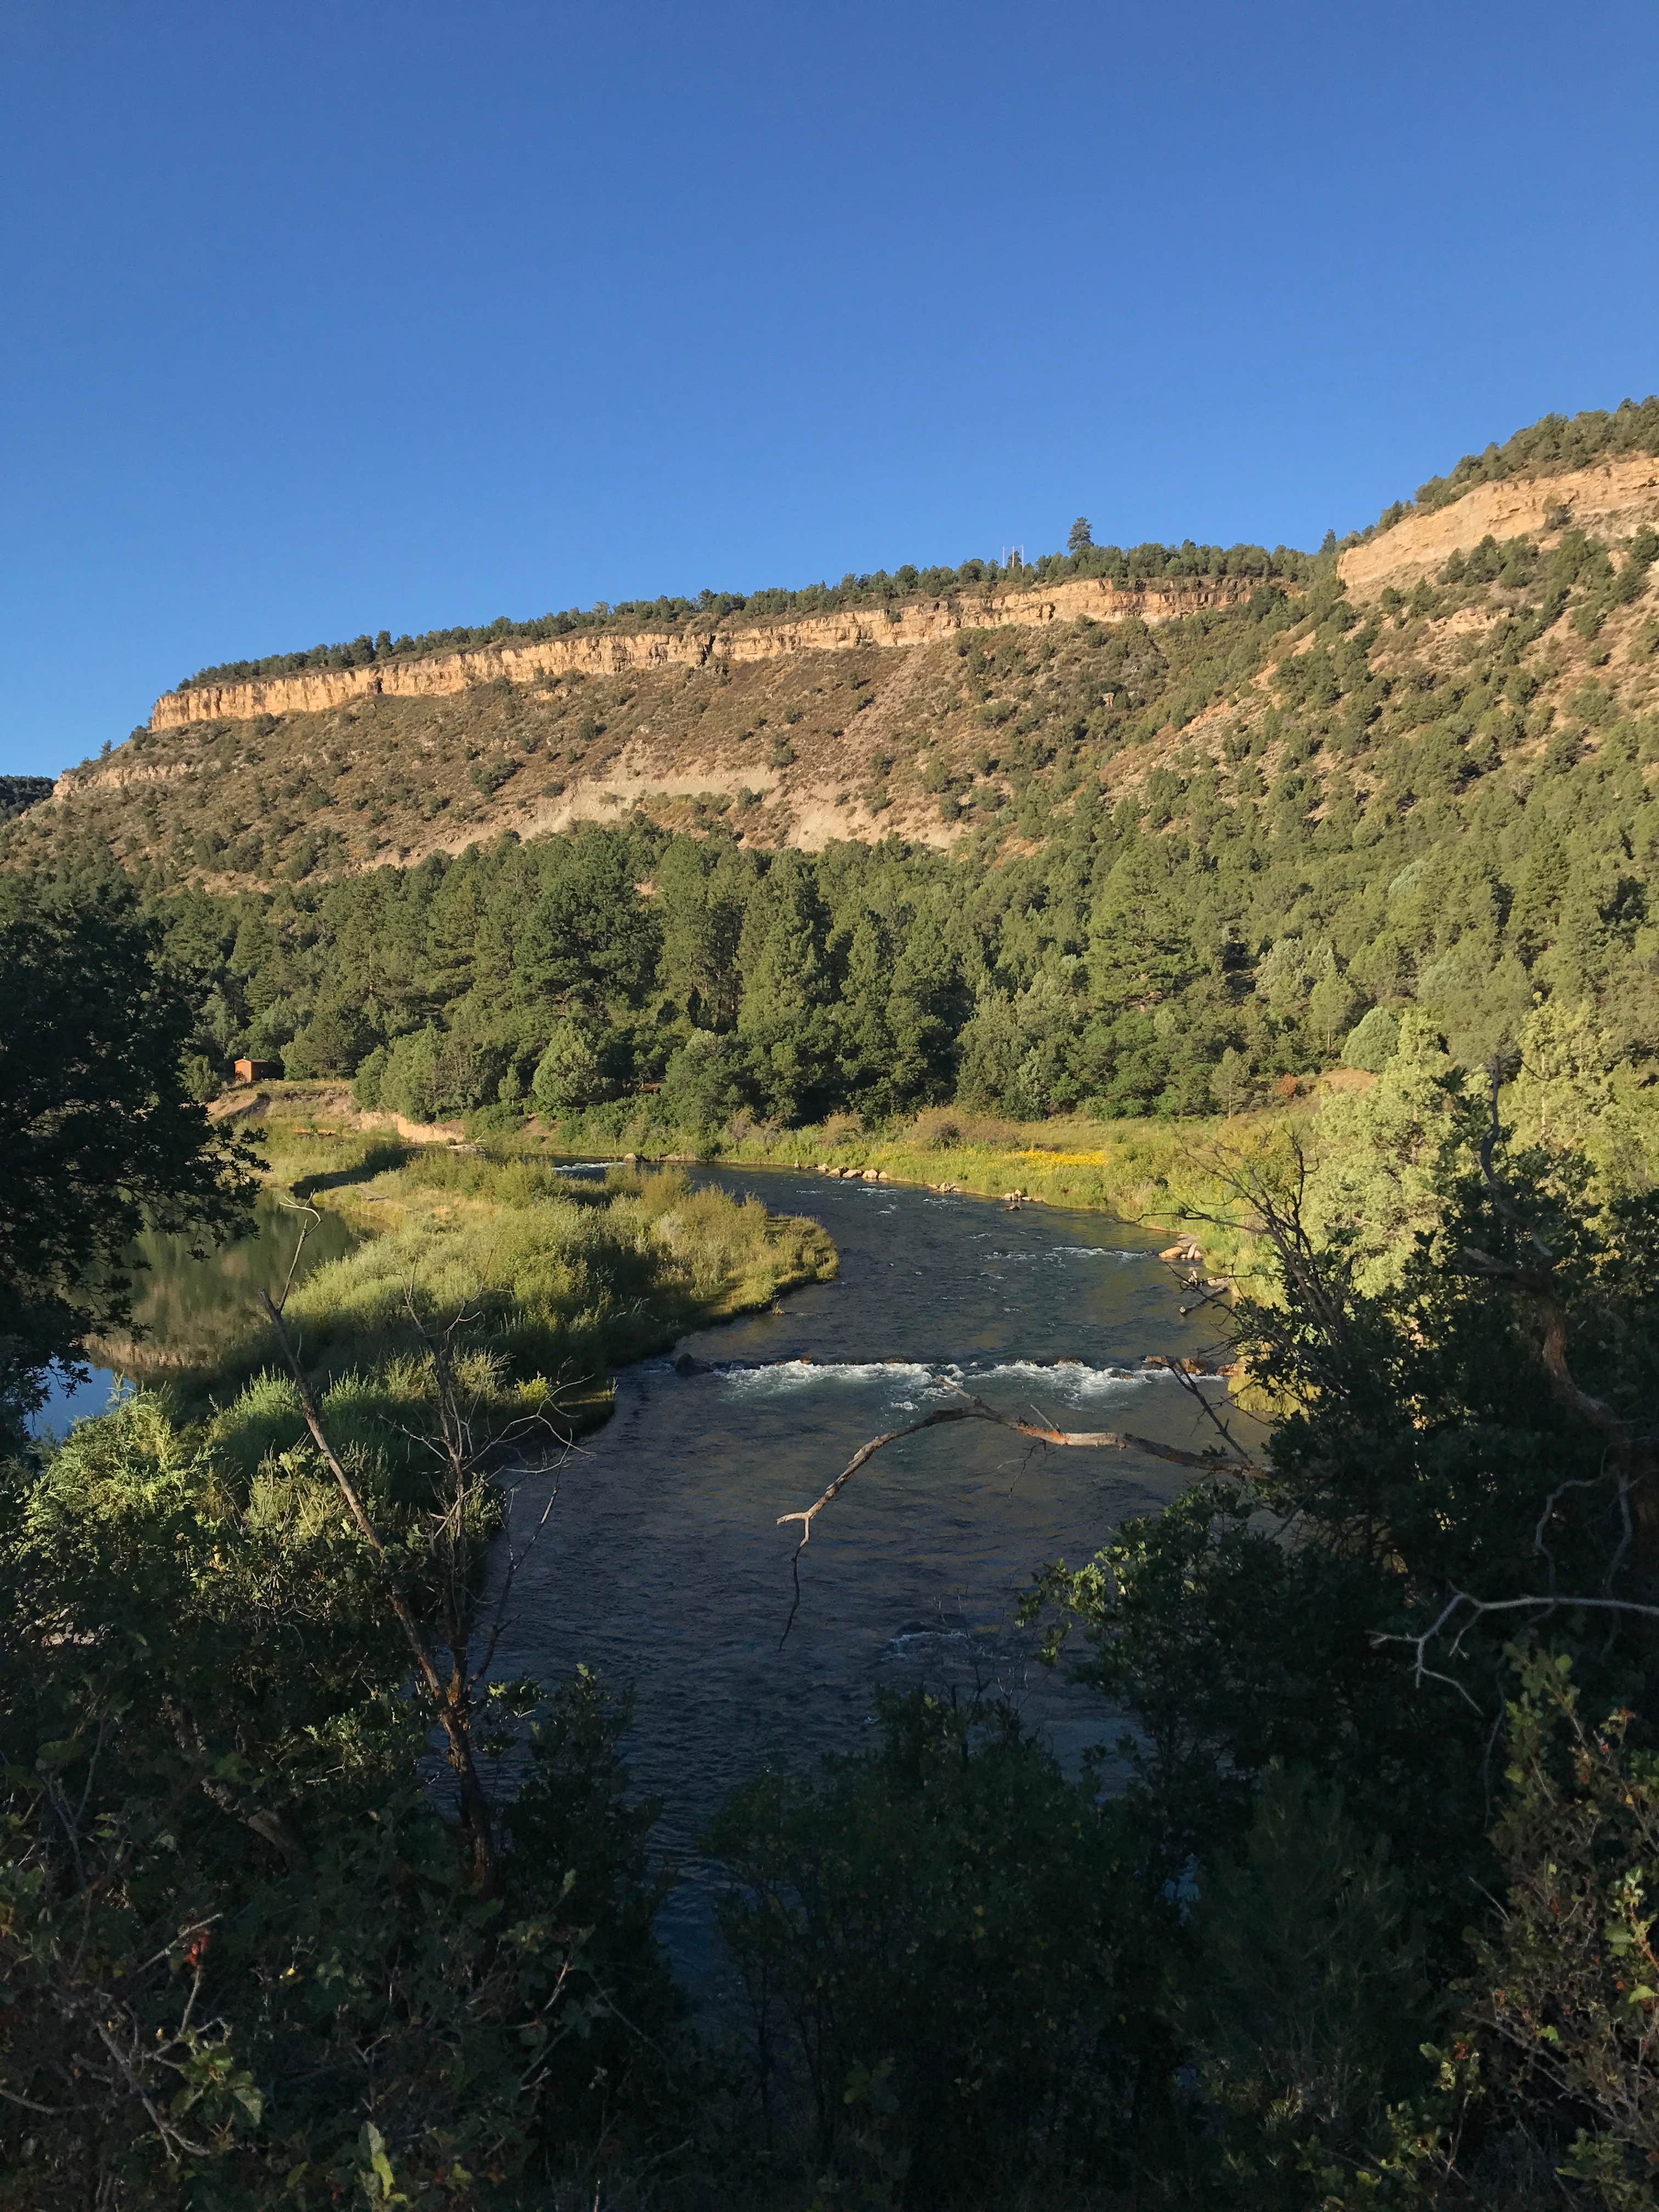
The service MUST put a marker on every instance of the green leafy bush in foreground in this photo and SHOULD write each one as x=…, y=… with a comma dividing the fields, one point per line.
x=241, y=1965
x=949, y=1962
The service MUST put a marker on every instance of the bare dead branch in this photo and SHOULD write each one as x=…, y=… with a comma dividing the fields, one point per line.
x=1189, y=1383
x=51, y=2111
x=1466, y=1611
x=297, y=1205
x=515, y=1560
x=173, y=2140
x=1539, y=1284
x=976, y=1409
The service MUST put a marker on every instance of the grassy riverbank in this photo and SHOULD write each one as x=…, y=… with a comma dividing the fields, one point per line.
x=569, y=1276
x=1182, y=1180
x=1177, y=1178
x=562, y=1281
x=1367, y=1146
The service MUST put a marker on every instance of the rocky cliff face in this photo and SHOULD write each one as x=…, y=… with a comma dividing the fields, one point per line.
x=994, y=715
x=1612, y=501
x=618, y=653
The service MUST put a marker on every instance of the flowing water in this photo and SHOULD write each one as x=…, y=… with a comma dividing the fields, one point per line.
x=661, y=1564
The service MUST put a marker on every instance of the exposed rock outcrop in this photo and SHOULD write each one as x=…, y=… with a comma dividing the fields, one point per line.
x=1611, y=499
x=615, y=653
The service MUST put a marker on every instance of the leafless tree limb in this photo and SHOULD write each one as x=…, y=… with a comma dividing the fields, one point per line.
x=110, y=2049
x=172, y=2137
x=1190, y=1383
x=459, y=1452
x=976, y=1409
x=297, y=1205
x=1466, y=1611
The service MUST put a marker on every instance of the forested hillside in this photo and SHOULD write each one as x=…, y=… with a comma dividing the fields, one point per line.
x=1126, y=866
x=19, y=793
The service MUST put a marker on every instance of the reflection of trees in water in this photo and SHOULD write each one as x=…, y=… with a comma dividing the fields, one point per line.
x=191, y=1308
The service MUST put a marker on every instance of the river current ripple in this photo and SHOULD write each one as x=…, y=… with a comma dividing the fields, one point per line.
x=661, y=1565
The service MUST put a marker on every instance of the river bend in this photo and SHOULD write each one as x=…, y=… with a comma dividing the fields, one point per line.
x=662, y=1565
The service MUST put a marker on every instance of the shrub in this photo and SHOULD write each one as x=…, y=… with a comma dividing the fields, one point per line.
x=938, y=1937
x=1372, y=1044
x=1568, y=1981
x=706, y=1081
x=201, y=1078
x=1306, y=2000
x=259, y=1911
x=366, y=1084
x=434, y=1072
x=568, y=1075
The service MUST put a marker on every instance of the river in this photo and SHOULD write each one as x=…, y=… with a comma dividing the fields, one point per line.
x=661, y=1564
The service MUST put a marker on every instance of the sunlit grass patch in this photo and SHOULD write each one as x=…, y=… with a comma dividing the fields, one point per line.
x=1173, y=1178
x=553, y=1282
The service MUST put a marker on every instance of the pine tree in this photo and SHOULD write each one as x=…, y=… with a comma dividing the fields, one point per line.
x=786, y=987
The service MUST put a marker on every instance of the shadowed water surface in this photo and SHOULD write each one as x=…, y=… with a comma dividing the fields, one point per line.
x=193, y=1306
x=662, y=1564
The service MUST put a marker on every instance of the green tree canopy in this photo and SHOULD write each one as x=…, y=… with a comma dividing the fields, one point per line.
x=97, y=1134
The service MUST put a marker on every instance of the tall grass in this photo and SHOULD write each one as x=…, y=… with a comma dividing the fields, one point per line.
x=558, y=1282
x=1178, y=1178
x=565, y=1277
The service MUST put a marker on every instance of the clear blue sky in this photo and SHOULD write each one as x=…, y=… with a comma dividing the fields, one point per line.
x=323, y=318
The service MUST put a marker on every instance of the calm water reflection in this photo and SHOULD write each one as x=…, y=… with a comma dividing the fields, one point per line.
x=192, y=1310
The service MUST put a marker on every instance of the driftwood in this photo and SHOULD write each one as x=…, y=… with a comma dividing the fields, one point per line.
x=1040, y=1433
x=976, y=1409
